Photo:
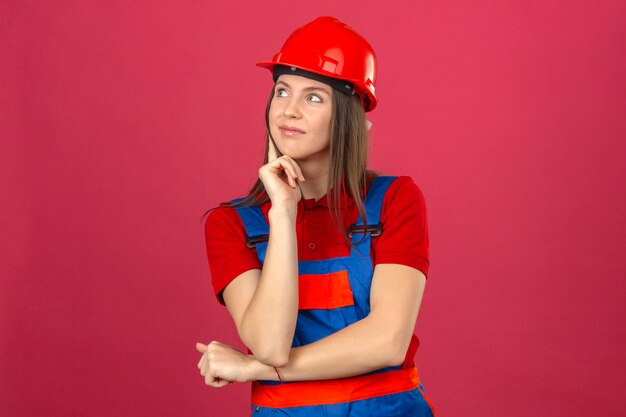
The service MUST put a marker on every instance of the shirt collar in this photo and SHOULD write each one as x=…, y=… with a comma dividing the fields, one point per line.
x=344, y=201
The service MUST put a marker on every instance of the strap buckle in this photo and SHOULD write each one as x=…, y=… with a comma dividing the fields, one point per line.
x=251, y=242
x=375, y=230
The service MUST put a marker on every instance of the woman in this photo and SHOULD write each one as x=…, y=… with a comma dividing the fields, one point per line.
x=323, y=265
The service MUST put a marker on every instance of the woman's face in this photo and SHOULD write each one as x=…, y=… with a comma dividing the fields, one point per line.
x=299, y=117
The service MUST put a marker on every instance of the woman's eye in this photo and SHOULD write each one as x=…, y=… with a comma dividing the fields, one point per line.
x=281, y=92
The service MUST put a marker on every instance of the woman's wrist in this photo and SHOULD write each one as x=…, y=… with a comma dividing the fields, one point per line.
x=283, y=213
x=258, y=371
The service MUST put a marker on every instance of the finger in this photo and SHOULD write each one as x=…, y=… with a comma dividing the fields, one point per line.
x=200, y=347
x=209, y=380
x=288, y=165
x=217, y=383
x=201, y=365
x=271, y=153
x=222, y=383
x=293, y=175
x=300, y=174
x=211, y=377
x=282, y=167
x=295, y=168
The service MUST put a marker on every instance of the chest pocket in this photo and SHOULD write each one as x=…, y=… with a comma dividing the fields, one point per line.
x=324, y=291
x=327, y=299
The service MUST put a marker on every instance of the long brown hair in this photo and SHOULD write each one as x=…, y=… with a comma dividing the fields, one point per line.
x=348, y=159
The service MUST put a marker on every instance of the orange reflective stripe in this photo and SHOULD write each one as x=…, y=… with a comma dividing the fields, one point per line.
x=427, y=401
x=296, y=394
x=324, y=291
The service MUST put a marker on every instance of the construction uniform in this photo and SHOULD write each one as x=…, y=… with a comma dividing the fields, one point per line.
x=334, y=292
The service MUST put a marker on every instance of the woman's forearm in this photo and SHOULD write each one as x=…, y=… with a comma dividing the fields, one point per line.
x=270, y=319
x=360, y=348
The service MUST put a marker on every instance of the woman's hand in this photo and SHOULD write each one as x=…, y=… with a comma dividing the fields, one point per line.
x=280, y=177
x=222, y=364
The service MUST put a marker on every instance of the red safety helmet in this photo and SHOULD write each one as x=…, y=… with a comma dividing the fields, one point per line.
x=329, y=47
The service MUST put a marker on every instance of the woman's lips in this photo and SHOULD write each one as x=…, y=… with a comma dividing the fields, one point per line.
x=291, y=131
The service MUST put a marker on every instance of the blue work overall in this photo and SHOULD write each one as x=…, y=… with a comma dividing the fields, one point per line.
x=390, y=392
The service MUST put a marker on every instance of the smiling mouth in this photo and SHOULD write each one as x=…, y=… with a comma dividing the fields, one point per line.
x=290, y=132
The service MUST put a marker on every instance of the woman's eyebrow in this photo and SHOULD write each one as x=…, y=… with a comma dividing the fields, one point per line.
x=305, y=89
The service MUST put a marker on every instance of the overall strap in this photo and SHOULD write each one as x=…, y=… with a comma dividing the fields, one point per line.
x=373, y=206
x=257, y=229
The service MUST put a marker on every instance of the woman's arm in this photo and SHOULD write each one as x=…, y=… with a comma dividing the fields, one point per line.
x=379, y=340
x=264, y=303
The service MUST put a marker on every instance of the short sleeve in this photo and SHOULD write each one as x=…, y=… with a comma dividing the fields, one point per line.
x=226, y=248
x=404, y=221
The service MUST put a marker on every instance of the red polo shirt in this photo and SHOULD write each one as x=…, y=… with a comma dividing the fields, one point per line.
x=404, y=239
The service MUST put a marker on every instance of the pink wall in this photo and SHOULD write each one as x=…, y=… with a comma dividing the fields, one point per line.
x=122, y=122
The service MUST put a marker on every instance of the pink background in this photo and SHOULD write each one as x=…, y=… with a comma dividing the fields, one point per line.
x=122, y=122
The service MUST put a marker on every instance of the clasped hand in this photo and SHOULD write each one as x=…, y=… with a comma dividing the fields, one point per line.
x=222, y=364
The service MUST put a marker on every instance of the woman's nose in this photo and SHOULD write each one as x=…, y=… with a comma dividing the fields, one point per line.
x=292, y=109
